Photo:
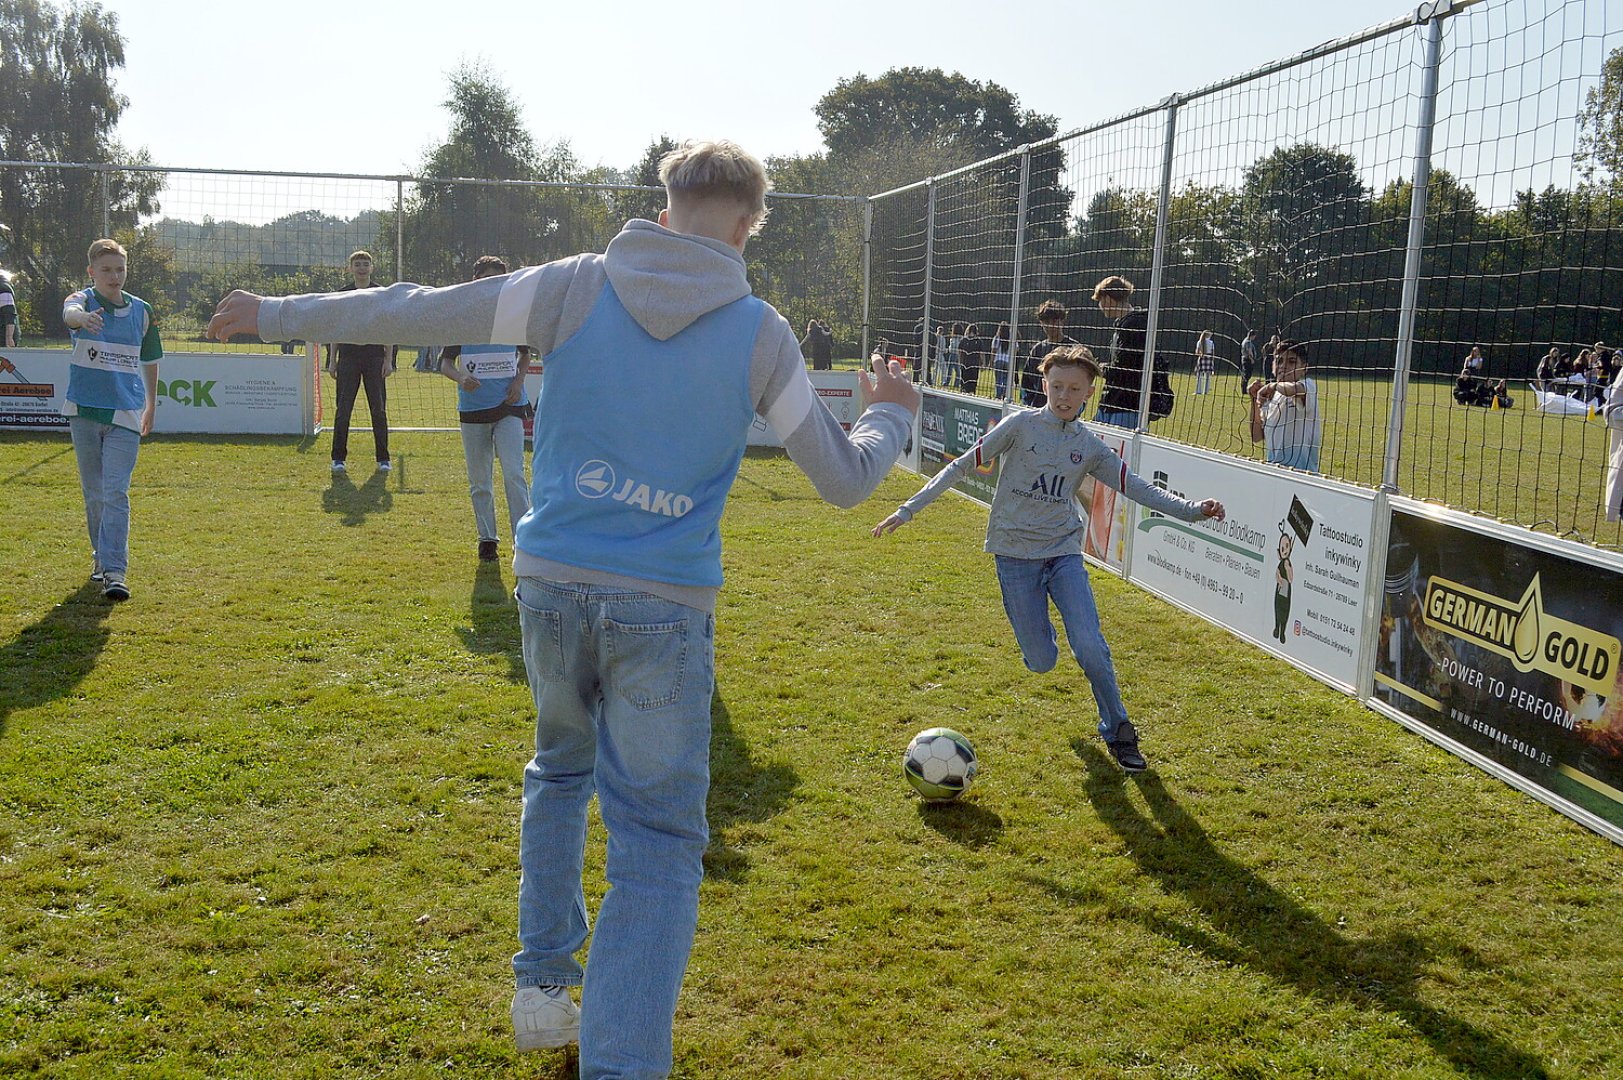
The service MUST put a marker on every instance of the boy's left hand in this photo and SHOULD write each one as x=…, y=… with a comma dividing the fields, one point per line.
x=146, y=420
x=1213, y=509
x=238, y=313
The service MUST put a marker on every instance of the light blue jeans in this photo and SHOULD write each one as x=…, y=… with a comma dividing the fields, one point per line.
x=622, y=684
x=1027, y=585
x=106, y=456
x=1118, y=417
x=483, y=445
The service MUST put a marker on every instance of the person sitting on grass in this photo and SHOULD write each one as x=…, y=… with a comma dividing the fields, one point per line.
x=1036, y=533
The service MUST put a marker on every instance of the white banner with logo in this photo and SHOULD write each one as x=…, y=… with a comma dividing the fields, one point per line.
x=1288, y=568
x=198, y=393
x=837, y=389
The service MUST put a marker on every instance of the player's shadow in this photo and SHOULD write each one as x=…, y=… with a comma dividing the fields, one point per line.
x=1246, y=922
x=493, y=620
x=356, y=503
x=741, y=791
x=50, y=657
x=772, y=493
x=962, y=822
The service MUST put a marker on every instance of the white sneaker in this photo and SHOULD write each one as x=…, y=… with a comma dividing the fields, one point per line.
x=545, y=1016
x=338, y=466
x=384, y=466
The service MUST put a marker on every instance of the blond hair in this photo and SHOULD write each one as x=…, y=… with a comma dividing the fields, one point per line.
x=719, y=169
x=1071, y=356
x=102, y=247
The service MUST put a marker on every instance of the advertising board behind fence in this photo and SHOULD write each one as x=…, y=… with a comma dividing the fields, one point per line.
x=1508, y=649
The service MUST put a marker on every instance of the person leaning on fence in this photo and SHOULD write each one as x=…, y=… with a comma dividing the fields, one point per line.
x=111, y=399
x=1051, y=316
x=1035, y=531
x=1285, y=411
x=492, y=406
x=619, y=564
x=1119, y=402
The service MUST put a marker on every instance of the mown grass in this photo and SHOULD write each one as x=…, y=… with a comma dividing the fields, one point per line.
x=261, y=820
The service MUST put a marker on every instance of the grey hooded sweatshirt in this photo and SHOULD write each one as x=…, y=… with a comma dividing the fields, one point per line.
x=665, y=280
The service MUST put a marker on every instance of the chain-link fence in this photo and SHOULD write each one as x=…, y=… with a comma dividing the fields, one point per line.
x=195, y=234
x=1284, y=201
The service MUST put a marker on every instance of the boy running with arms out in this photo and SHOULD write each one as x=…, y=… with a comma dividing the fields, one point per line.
x=658, y=358
x=111, y=399
x=1036, y=533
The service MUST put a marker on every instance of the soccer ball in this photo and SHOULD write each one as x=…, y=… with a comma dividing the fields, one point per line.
x=940, y=764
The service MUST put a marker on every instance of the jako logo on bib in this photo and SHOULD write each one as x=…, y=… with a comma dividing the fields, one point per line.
x=596, y=479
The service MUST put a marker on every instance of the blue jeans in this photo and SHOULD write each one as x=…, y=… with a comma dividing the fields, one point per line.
x=622, y=683
x=482, y=446
x=1027, y=585
x=106, y=456
x=1118, y=417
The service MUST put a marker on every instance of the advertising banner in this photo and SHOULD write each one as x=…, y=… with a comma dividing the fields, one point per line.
x=838, y=389
x=1287, y=569
x=949, y=426
x=1508, y=645
x=210, y=393
x=1104, y=510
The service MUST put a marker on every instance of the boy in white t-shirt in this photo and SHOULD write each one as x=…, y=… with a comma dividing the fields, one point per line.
x=1285, y=412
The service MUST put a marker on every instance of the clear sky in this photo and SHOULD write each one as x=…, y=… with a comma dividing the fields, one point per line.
x=329, y=86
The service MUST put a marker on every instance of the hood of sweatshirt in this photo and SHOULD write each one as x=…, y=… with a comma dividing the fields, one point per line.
x=667, y=279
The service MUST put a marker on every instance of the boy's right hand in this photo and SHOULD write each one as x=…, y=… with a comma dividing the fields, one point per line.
x=889, y=383
x=238, y=313
x=889, y=525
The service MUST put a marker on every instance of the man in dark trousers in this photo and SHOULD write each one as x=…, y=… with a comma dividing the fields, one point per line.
x=354, y=366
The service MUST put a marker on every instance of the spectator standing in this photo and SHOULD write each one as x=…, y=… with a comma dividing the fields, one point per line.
x=354, y=366
x=971, y=354
x=818, y=345
x=1248, y=359
x=8, y=314
x=1051, y=316
x=1205, y=362
x=1002, y=349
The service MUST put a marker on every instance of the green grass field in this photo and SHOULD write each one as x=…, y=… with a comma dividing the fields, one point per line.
x=261, y=821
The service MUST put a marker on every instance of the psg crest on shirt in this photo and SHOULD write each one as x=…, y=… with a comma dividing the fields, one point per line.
x=1076, y=457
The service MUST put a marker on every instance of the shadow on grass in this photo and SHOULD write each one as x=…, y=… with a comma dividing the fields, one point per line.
x=67, y=448
x=494, y=630
x=1251, y=924
x=772, y=494
x=48, y=659
x=741, y=792
x=962, y=822
x=355, y=503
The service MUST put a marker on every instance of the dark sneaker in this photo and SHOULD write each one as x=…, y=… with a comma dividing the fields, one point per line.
x=487, y=551
x=115, y=589
x=1124, y=748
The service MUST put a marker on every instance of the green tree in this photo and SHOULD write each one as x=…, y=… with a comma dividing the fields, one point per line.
x=499, y=209
x=62, y=105
x=1600, y=123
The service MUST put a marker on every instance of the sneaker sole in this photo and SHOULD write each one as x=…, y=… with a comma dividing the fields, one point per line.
x=546, y=1040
